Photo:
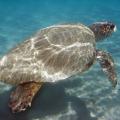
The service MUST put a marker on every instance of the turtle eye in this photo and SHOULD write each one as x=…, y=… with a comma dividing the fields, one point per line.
x=112, y=27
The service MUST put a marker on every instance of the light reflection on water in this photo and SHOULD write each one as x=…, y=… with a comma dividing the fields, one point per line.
x=53, y=102
x=86, y=97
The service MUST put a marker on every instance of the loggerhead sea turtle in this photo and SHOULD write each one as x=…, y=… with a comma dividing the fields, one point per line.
x=54, y=53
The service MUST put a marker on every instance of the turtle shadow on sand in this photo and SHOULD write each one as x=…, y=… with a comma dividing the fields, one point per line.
x=50, y=101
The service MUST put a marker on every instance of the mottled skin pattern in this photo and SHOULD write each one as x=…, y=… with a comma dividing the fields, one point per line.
x=54, y=53
x=20, y=94
x=107, y=64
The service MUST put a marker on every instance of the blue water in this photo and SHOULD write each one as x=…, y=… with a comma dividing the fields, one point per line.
x=86, y=97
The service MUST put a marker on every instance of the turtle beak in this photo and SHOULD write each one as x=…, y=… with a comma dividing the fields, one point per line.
x=112, y=27
x=115, y=29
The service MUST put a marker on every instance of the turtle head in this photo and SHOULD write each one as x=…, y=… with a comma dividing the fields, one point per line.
x=102, y=30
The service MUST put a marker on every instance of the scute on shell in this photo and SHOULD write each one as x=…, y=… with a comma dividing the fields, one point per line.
x=53, y=54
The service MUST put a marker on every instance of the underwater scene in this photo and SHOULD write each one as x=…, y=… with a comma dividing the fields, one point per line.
x=88, y=96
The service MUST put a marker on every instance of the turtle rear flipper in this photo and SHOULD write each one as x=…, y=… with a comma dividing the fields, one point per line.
x=23, y=95
x=107, y=64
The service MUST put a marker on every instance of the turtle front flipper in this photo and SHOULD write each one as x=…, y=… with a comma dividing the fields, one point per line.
x=107, y=64
x=23, y=95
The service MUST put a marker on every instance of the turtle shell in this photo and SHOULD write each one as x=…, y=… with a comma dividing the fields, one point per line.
x=54, y=53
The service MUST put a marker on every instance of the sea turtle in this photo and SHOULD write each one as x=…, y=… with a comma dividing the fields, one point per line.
x=54, y=53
